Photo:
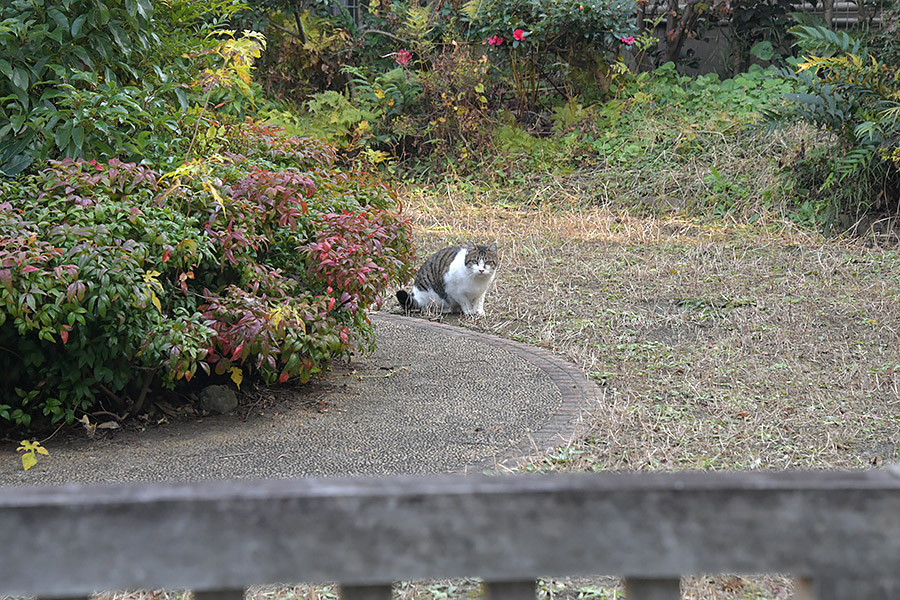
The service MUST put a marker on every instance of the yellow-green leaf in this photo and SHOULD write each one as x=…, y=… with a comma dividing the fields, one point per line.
x=275, y=315
x=237, y=376
x=28, y=460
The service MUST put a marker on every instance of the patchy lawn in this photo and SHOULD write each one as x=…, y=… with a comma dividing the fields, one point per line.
x=719, y=346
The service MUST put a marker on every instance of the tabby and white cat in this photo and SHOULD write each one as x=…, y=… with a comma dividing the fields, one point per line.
x=454, y=279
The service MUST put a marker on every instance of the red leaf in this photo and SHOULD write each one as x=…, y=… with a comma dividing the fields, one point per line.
x=283, y=377
x=64, y=335
x=166, y=255
x=30, y=269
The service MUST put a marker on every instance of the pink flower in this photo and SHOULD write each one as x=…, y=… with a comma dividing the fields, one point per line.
x=627, y=40
x=518, y=35
x=495, y=40
x=403, y=57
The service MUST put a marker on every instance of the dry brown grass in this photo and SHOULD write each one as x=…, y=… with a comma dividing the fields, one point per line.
x=719, y=346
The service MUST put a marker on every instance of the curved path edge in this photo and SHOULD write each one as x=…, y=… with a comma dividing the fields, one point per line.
x=579, y=394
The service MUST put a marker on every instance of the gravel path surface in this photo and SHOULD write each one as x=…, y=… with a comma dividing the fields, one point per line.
x=432, y=398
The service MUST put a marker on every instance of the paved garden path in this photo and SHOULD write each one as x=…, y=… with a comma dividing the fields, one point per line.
x=433, y=397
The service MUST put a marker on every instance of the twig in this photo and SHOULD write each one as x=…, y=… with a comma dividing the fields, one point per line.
x=299, y=36
x=52, y=434
x=139, y=403
x=385, y=33
x=106, y=413
x=120, y=403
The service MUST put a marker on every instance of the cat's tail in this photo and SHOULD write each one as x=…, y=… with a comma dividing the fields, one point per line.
x=406, y=300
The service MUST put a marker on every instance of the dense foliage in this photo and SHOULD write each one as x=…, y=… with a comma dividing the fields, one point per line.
x=149, y=233
x=846, y=90
x=541, y=38
x=152, y=232
x=72, y=79
x=116, y=280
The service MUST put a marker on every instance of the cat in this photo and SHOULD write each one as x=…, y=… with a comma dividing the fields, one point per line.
x=454, y=279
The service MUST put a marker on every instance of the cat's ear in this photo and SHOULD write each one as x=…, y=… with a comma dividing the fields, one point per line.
x=493, y=247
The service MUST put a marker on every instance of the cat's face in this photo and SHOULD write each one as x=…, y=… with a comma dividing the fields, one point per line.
x=482, y=261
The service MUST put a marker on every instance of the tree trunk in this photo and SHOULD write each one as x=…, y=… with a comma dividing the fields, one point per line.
x=677, y=30
x=828, y=5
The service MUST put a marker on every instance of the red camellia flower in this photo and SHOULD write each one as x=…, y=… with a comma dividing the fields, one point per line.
x=518, y=35
x=627, y=40
x=495, y=40
x=403, y=57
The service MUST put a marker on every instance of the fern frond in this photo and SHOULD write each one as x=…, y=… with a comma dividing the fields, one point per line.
x=868, y=131
x=891, y=114
x=417, y=25
x=472, y=9
x=821, y=40
x=855, y=160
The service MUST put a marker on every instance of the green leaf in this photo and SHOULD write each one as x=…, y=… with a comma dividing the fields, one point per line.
x=82, y=55
x=61, y=136
x=17, y=121
x=6, y=68
x=182, y=99
x=56, y=35
x=78, y=138
x=763, y=50
x=37, y=70
x=59, y=18
x=101, y=16
x=77, y=24
x=121, y=38
x=145, y=8
x=16, y=165
x=20, y=78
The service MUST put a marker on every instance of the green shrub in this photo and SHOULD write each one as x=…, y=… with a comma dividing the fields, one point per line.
x=458, y=97
x=115, y=79
x=43, y=45
x=848, y=92
x=115, y=281
x=366, y=118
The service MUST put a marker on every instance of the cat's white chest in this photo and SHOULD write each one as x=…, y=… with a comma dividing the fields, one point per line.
x=468, y=284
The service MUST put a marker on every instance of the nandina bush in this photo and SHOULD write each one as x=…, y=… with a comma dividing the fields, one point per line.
x=279, y=338
x=116, y=282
